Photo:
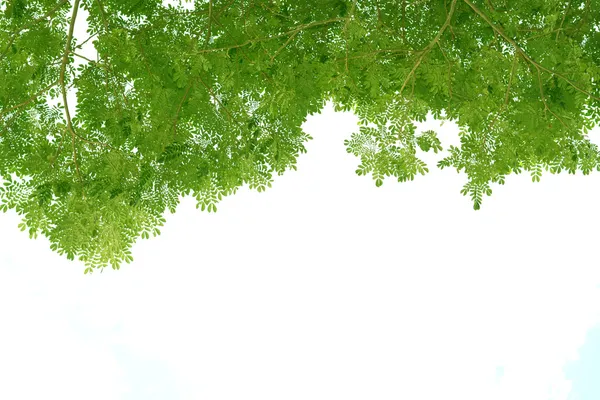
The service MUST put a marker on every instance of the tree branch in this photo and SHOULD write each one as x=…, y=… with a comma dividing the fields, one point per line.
x=61, y=81
x=563, y=20
x=210, y=7
x=216, y=98
x=522, y=52
x=29, y=100
x=449, y=69
x=350, y=14
x=31, y=23
x=181, y=105
x=544, y=99
x=285, y=44
x=512, y=72
x=428, y=48
x=251, y=41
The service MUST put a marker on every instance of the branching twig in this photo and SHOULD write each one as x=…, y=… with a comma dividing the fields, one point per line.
x=544, y=99
x=404, y=20
x=61, y=81
x=29, y=100
x=80, y=45
x=350, y=14
x=216, y=98
x=244, y=54
x=110, y=69
x=510, y=79
x=430, y=45
x=563, y=20
x=522, y=52
x=449, y=69
x=284, y=45
x=62, y=139
x=251, y=41
x=181, y=105
x=144, y=57
x=210, y=7
x=31, y=23
x=379, y=51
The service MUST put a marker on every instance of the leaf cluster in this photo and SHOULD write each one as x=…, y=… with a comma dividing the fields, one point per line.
x=200, y=102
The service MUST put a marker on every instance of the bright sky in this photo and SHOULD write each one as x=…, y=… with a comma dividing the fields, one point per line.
x=323, y=287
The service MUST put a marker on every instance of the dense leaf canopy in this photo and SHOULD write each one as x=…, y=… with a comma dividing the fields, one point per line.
x=200, y=101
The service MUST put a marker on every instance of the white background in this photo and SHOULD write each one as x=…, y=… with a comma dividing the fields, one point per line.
x=323, y=287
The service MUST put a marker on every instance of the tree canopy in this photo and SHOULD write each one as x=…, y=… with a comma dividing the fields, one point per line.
x=202, y=100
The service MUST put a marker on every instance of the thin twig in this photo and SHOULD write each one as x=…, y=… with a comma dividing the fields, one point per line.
x=86, y=40
x=449, y=69
x=563, y=20
x=284, y=45
x=210, y=6
x=430, y=45
x=181, y=105
x=62, y=139
x=522, y=52
x=29, y=100
x=31, y=23
x=251, y=41
x=216, y=98
x=544, y=99
x=348, y=18
x=108, y=64
x=510, y=79
x=64, y=90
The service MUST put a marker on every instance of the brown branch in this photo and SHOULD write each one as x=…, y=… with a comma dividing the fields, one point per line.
x=210, y=6
x=181, y=105
x=64, y=90
x=244, y=54
x=62, y=139
x=522, y=52
x=108, y=64
x=284, y=45
x=430, y=45
x=144, y=57
x=510, y=79
x=544, y=99
x=95, y=143
x=86, y=40
x=449, y=69
x=404, y=20
x=350, y=15
x=107, y=68
x=216, y=98
x=30, y=24
x=88, y=60
x=563, y=20
x=29, y=100
x=251, y=41
x=379, y=51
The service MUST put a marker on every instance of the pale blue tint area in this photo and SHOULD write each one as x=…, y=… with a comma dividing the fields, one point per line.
x=499, y=373
x=585, y=372
x=147, y=379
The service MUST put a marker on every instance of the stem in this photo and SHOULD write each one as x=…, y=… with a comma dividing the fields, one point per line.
x=563, y=20
x=179, y=108
x=250, y=41
x=29, y=100
x=522, y=52
x=209, y=20
x=35, y=21
x=61, y=81
x=430, y=45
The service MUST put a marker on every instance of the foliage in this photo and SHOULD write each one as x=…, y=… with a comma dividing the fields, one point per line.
x=200, y=102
